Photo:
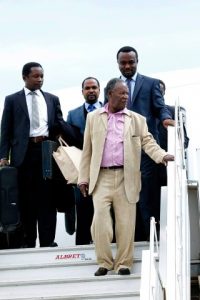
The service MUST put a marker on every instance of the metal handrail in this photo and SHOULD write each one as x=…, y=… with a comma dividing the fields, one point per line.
x=177, y=262
x=154, y=256
x=174, y=282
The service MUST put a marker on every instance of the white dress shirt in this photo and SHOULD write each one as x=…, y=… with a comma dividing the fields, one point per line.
x=42, y=108
x=132, y=82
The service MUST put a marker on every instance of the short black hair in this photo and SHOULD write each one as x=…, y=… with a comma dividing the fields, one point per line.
x=162, y=82
x=26, y=70
x=127, y=49
x=91, y=78
x=110, y=86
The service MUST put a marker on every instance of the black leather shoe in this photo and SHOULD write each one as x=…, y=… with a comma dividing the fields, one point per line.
x=101, y=272
x=54, y=244
x=124, y=271
x=28, y=246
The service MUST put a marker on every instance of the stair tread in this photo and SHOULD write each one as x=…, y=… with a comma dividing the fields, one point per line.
x=64, y=273
x=40, y=256
x=59, y=271
x=109, y=277
x=111, y=296
x=100, y=285
x=56, y=249
x=54, y=264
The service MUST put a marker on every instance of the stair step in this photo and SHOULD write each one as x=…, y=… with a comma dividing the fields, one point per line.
x=110, y=296
x=73, y=288
x=64, y=273
x=53, y=271
x=121, y=296
x=59, y=255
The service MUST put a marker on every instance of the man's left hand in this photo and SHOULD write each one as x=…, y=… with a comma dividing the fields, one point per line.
x=168, y=122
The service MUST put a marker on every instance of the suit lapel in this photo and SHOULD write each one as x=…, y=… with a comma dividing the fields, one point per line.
x=102, y=126
x=22, y=102
x=138, y=84
x=127, y=123
x=104, y=119
x=49, y=106
x=83, y=115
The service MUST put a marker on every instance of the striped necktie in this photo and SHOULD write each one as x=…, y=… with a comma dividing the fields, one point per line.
x=128, y=82
x=91, y=107
x=35, y=111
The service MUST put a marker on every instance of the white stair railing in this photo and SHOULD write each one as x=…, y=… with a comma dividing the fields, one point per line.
x=178, y=231
x=198, y=164
x=151, y=283
x=171, y=281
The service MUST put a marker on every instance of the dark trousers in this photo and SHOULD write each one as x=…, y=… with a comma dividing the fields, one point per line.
x=84, y=216
x=149, y=202
x=37, y=208
x=11, y=240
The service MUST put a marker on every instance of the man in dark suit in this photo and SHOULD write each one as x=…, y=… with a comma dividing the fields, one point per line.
x=162, y=130
x=162, y=134
x=77, y=117
x=31, y=116
x=144, y=98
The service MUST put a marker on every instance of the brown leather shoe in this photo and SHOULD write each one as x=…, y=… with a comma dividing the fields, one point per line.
x=124, y=271
x=101, y=272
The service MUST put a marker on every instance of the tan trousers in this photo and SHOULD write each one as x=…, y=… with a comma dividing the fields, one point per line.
x=109, y=192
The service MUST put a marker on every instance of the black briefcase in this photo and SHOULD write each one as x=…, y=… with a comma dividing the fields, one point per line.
x=49, y=167
x=9, y=210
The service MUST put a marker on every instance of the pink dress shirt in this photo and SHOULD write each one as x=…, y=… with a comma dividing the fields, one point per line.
x=113, y=153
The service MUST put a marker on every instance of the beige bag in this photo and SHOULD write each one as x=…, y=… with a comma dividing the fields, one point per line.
x=68, y=159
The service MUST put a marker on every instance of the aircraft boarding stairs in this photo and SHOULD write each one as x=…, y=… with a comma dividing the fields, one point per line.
x=64, y=273
x=178, y=251
x=67, y=273
x=160, y=271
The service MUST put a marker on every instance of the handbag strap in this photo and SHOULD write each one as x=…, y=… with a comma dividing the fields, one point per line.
x=62, y=142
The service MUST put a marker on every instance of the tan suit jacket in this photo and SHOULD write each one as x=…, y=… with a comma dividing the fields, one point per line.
x=136, y=138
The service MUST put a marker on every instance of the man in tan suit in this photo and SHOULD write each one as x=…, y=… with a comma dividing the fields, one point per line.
x=110, y=171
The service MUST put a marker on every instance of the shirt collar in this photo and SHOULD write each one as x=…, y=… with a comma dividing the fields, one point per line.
x=27, y=91
x=105, y=109
x=132, y=78
x=96, y=105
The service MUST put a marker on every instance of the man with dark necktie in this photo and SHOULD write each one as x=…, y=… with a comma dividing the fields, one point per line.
x=129, y=83
x=146, y=99
x=77, y=117
x=31, y=116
